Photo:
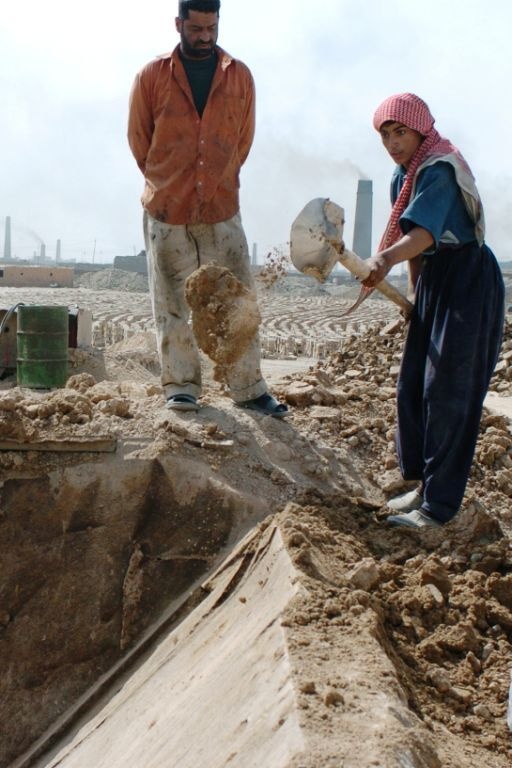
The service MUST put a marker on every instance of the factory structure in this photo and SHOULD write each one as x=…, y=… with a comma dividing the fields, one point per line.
x=14, y=273
x=52, y=271
x=43, y=270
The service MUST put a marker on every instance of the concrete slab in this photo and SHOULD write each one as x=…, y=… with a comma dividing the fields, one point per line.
x=197, y=700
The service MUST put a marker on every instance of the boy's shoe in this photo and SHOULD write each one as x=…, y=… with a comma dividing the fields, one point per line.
x=406, y=502
x=414, y=519
x=182, y=402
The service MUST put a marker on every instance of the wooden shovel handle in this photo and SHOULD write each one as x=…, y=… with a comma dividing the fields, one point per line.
x=360, y=269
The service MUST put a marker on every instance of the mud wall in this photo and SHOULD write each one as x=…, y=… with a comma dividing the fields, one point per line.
x=92, y=555
x=35, y=276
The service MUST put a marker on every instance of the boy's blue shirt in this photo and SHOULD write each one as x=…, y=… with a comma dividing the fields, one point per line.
x=437, y=206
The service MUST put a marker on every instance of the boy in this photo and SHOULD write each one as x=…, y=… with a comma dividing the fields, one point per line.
x=437, y=226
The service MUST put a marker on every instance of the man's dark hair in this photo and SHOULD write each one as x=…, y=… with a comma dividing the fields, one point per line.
x=204, y=6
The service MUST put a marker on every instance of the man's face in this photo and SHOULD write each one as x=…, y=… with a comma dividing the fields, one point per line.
x=198, y=34
x=401, y=142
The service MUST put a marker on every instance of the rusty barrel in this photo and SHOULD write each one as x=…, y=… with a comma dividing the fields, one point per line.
x=42, y=346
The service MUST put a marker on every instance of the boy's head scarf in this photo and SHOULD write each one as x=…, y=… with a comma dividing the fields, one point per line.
x=411, y=111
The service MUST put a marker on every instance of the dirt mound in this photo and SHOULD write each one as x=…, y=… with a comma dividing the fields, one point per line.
x=431, y=603
x=113, y=280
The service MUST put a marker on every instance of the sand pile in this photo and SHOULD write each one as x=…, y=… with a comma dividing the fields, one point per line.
x=113, y=280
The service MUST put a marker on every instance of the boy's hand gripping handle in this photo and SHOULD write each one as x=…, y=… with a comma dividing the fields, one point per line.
x=360, y=269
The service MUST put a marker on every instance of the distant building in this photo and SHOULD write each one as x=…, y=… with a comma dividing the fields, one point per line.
x=35, y=277
x=136, y=263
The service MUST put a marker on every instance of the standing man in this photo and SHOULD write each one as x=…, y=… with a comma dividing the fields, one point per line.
x=191, y=126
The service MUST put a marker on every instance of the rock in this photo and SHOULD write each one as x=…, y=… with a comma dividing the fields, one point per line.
x=483, y=711
x=395, y=326
x=439, y=679
x=332, y=608
x=322, y=413
x=435, y=573
x=436, y=594
x=475, y=524
x=308, y=687
x=498, y=615
x=365, y=575
x=332, y=698
x=501, y=589
x=392, y=482
x=300, y=394
x=461, y=694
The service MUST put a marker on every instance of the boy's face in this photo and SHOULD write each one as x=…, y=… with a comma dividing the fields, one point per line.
x=401, y=142
x=198, y=34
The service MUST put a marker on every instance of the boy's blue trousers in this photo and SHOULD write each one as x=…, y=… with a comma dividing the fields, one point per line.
x=450, y=352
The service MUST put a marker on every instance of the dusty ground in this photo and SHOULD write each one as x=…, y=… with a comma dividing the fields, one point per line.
x=426, y=617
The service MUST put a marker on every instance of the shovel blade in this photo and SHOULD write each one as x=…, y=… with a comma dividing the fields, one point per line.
x=363, y=295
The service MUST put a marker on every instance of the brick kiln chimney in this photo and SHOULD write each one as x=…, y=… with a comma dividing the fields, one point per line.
x=7, y=241
x=362, y=242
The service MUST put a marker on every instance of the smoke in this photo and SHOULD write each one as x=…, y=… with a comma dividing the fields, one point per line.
x=21, y=229
x=356, y=170
x=21, y=242
x=280, y=179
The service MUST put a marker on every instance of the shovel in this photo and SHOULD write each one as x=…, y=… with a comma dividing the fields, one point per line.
x=316, y=245
x=360, y=269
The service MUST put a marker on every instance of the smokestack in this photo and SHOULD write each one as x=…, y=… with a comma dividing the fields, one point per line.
x=362, y=242
x=57, y=252
x=254, y=259
x=7, y=241
x=42, y=255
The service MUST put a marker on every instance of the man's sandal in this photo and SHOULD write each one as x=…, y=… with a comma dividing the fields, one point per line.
x=267, y=405
x=182, y=403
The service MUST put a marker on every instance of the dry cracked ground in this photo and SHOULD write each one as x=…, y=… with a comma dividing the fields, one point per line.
x=222, y=589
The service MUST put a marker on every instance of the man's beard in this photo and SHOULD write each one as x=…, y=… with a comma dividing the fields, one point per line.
x=196, y=52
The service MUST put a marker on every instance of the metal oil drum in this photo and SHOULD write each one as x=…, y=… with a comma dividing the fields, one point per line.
x=42, y=346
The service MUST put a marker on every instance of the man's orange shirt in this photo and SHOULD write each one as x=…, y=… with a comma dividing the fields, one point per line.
x=191, y=164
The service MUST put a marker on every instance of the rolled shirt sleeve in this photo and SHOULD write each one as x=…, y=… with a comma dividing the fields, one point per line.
x=140, y=121
x=438, y=206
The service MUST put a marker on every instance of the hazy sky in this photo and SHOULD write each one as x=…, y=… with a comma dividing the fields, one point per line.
x=321, y=68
